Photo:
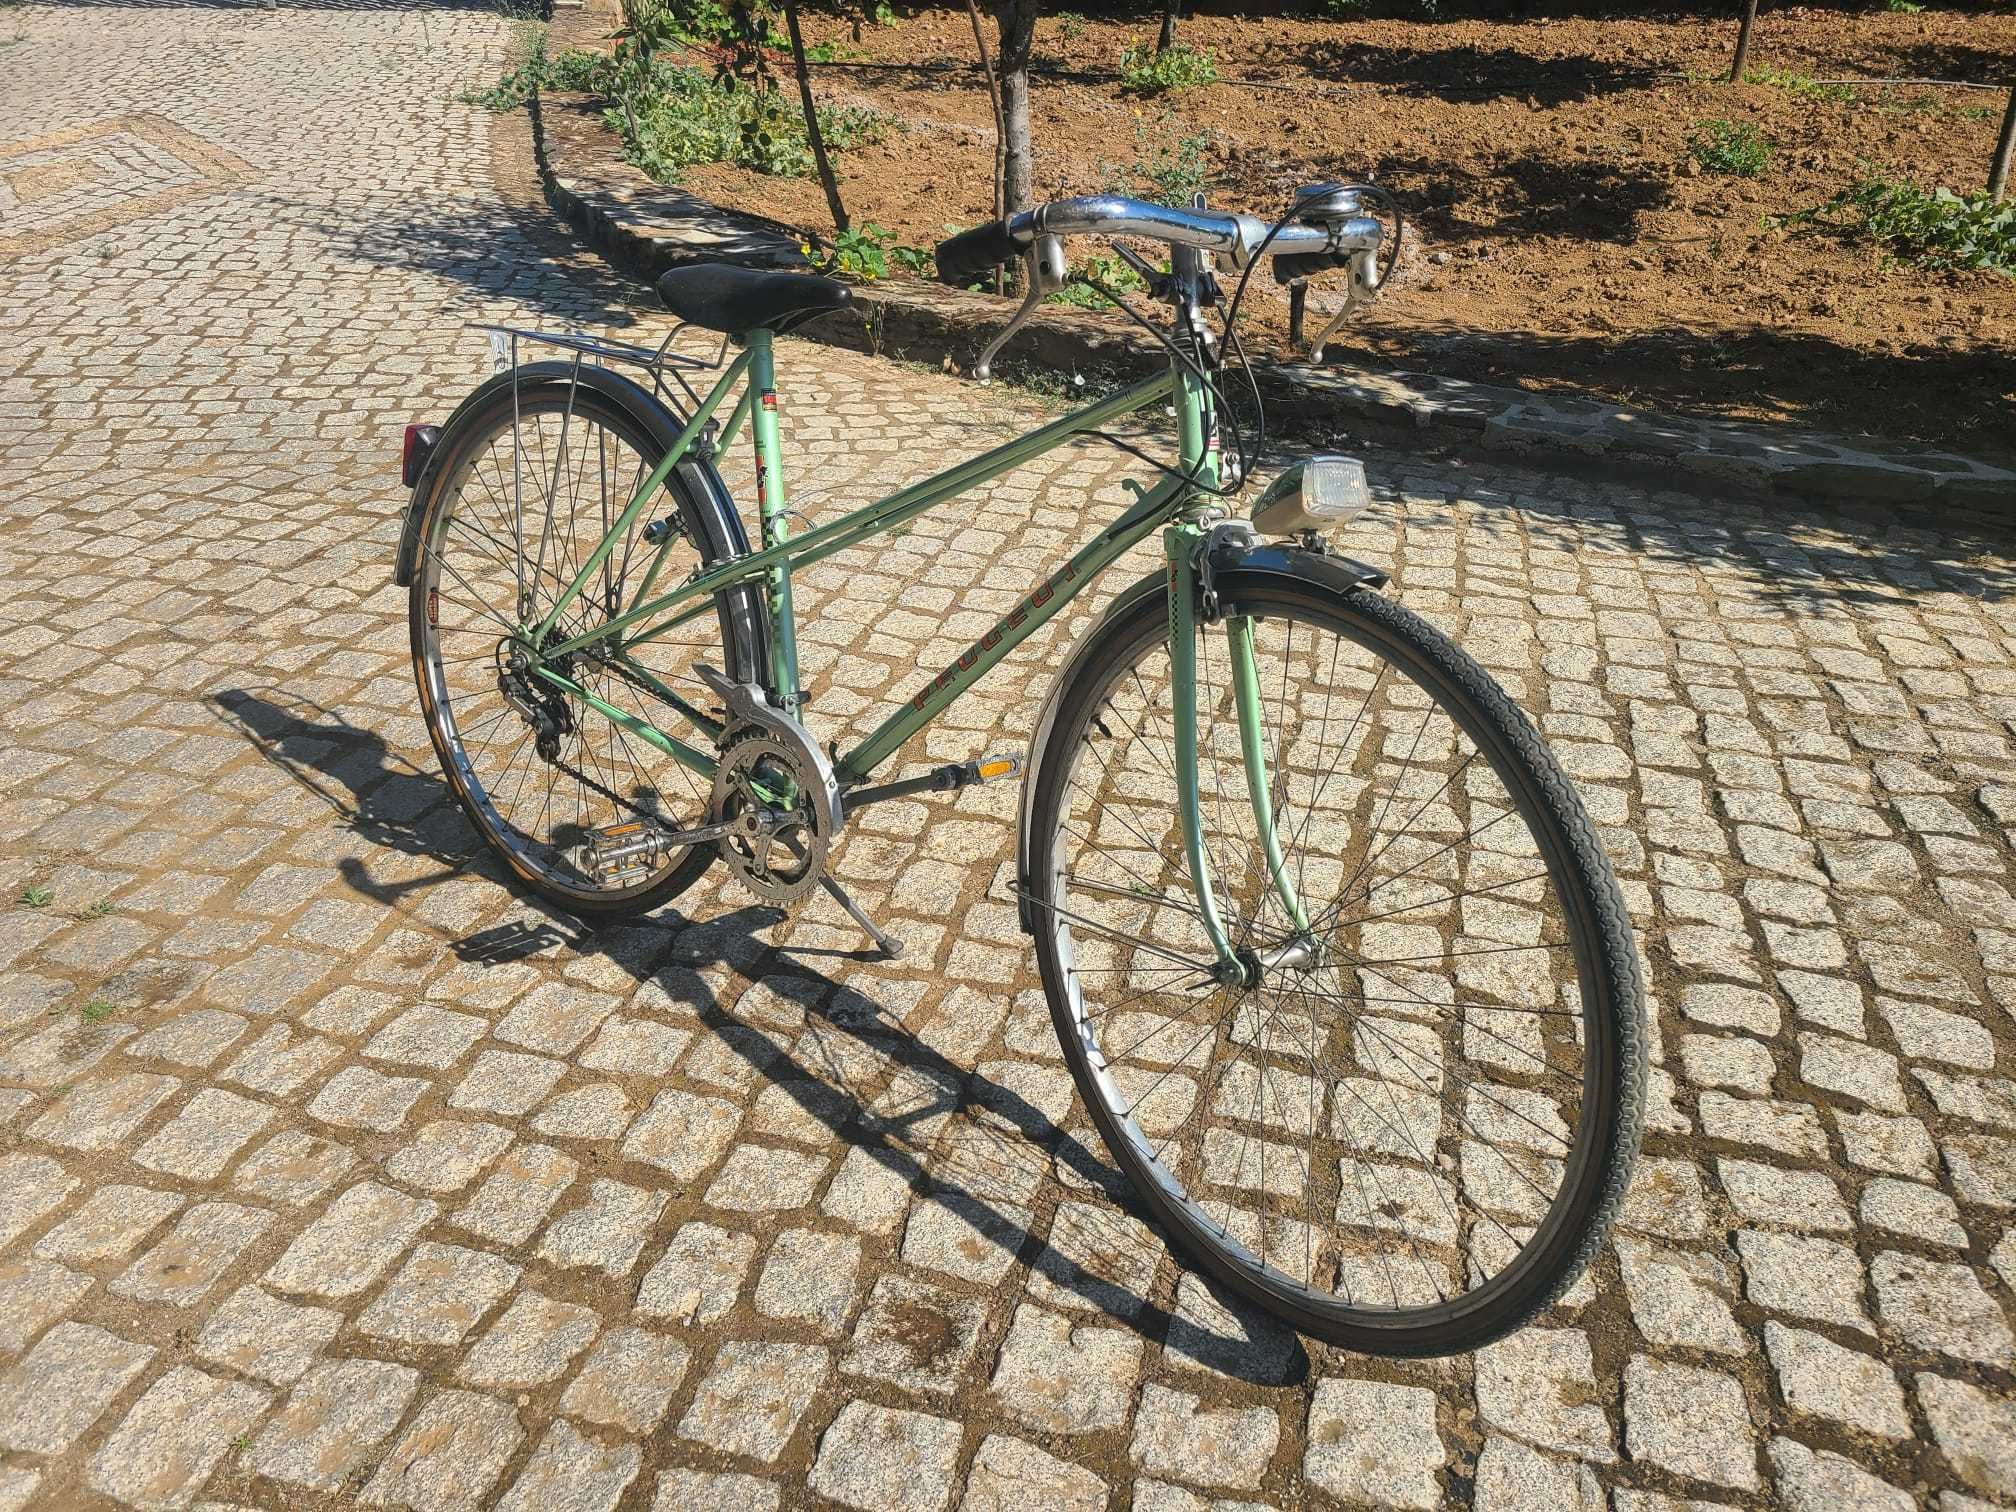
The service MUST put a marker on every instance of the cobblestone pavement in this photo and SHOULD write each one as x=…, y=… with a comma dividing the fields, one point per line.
x=333, y=1174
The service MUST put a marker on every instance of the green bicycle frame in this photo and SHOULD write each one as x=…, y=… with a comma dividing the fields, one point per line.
x=1173, y=505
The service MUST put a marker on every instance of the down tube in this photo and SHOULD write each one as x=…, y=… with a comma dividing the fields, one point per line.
x=1023, y=620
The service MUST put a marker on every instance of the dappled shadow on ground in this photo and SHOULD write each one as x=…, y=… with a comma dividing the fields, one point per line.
x=1808, y=559
x=484, y=247
x=975, y=1147
x=492, y=7
x=1464, y=71
x=1961, y=398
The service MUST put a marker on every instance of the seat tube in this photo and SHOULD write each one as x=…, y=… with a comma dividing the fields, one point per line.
x=774, y=510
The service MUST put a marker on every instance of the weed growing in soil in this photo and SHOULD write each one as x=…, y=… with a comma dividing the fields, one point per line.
x=36, y=896
x=1801, y=86
x=572, y=70
x=1071, y=24
x=1146, y=71
x=102, y=909
x=1934, y=229
x=98, y=1010
x=1726, y=147
x=1110, y=271
x=671, y=117
x=860, y=252
x=1167, y=168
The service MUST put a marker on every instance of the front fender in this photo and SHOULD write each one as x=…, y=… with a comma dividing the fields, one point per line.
x=1231, y=563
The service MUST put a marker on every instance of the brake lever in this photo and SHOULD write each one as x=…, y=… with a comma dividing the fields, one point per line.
x=1045, y=266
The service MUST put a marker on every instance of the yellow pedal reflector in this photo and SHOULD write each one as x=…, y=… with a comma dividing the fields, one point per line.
x=993, y=767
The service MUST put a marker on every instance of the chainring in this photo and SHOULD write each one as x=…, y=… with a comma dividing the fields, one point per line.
x=779, y=843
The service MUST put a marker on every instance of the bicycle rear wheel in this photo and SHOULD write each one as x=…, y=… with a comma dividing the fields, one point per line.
x=1411, y=1133
x=531, y=476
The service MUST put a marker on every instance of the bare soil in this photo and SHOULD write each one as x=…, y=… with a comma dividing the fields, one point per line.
x=1561, y=234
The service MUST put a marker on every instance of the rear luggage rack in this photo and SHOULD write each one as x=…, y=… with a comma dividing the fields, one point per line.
x=660, y=361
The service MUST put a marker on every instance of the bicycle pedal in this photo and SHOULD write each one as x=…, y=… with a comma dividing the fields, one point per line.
x=621, y=852
x=993, y=769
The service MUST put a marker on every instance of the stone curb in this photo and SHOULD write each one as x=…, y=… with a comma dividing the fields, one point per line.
x=644, y=228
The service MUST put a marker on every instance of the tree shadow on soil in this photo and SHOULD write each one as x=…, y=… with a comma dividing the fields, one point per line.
x=1531, y=194
x=995, y=1162
x=1464, y=72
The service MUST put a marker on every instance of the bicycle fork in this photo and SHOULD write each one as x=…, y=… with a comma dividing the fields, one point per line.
x=1181, y=543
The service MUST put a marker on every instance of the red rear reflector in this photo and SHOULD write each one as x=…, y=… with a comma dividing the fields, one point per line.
x=416, y=449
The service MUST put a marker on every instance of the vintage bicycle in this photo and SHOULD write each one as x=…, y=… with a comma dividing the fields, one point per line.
x=1332, y=949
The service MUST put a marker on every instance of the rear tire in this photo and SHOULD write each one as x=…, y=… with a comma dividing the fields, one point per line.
x=1112, y=909
x=464, y=601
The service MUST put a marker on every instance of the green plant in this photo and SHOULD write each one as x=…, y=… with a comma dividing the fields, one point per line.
x=100, y=909
x=1176, y=67
x=1071, y=24
x=571, y=70
x=1934, y=229
x=918, y=261
x=1110, y=271
x=1167, y=168
x=34, y=895
x=1903, y=7
x=98, y=1010
x=1727, y=147
x=860, y=252
x=1802, y=86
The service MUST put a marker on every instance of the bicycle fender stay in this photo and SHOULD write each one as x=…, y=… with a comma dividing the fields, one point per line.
x=1230, y=565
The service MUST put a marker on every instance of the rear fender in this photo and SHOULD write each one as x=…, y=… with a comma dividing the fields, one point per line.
x=696, y=474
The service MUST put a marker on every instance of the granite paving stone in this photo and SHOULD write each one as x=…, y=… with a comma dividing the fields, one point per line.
x=385, y=1183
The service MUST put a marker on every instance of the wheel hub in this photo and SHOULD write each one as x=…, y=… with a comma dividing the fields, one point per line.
x=541, y=706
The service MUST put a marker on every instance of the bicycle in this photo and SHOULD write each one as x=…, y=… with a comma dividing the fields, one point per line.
x=1281, y=912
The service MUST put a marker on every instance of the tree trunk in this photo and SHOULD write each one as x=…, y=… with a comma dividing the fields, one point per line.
x=1017, y=21
x=1168, y=37
x=2005, y=148
x=819, y=159
x=1741, y=61
x=994, y=101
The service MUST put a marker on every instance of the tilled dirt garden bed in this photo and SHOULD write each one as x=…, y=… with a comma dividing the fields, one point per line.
x=1563, y=234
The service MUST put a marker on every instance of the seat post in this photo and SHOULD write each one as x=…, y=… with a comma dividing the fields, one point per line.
x=774, y=512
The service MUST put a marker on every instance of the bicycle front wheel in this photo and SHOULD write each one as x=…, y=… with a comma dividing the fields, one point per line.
x=1410, y=1129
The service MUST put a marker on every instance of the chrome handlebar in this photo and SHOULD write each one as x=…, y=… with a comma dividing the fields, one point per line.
x=1235, y=239
x=1327, y=229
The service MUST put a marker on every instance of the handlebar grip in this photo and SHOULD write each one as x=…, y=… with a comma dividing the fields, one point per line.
x=971, y=255
x=1294, y=266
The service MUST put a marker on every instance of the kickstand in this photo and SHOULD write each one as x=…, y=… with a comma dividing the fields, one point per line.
x=890, y=948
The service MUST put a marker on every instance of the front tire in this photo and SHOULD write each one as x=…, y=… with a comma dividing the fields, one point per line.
x=1447, y=1073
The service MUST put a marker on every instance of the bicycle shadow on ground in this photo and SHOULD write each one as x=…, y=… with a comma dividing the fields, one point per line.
x=820, y=1054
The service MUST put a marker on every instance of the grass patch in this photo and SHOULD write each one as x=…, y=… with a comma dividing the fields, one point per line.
x=1727, y=147
x=35, y=895
x=1934, y=229
x=97, y=1011
x=1143, y=70
x=102, y=909
x=1803, y=86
